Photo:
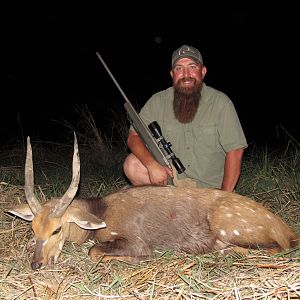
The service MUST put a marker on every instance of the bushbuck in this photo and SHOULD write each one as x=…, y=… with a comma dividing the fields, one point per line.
x=131, y=223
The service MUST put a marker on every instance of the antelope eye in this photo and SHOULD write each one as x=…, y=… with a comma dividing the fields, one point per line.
x=57, y=230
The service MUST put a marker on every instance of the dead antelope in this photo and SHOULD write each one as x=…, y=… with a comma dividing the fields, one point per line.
x=131, y=224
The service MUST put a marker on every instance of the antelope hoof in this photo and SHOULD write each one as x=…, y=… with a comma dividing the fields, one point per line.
x=95, y=253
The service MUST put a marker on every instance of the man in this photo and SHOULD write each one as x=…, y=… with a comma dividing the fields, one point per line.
x=200, y=122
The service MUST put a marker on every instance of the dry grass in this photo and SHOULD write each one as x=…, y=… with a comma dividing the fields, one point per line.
x=273, y=181
x=167, y=276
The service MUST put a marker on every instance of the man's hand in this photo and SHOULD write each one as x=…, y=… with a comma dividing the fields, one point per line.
x=159, y=174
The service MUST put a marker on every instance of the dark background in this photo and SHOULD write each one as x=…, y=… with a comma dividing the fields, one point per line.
x=251, y=53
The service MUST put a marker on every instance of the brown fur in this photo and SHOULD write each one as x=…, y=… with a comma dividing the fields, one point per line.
x=189, y=220
x=132, y=223
x=140, y=220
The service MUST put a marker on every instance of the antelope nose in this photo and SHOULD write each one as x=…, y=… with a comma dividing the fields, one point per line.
x=35, y=265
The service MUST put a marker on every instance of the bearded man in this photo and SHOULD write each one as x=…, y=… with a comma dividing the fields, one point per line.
x=200, y=122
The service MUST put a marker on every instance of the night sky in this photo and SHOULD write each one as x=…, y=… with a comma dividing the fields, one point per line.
x=251, y=54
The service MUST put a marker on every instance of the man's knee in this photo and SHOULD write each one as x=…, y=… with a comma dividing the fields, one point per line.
x=129, y=162
x=135, y=170
x=132, y=166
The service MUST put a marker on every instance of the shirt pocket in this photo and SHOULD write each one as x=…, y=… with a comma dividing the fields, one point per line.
x=206, y=139
x=174, y=135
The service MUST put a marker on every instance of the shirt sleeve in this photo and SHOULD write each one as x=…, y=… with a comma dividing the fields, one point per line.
x=147, y=112
x=230, y=130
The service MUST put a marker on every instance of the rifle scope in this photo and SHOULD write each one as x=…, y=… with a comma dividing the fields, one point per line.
x=156, y=131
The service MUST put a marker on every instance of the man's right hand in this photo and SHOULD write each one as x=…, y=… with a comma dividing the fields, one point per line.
x=156, y=173
x=159, y=174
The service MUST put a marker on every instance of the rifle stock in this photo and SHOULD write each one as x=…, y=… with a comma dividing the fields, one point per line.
x=140, y=126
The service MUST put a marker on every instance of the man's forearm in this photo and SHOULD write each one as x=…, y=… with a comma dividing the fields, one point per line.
x=232, y=169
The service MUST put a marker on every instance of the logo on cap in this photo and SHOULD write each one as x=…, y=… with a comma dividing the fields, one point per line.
x=187, y=51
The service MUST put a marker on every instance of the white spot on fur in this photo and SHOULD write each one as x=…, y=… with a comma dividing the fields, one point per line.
x=60, y=246
x=236, y=232
x=223, y=232
x=249, y=229
x=222, y=207
x=140, y=238
x=229, y=215
x=244, y=221
x=237, y=207
x=239, y=214
x=260, y=227
x=114, y=233
x=251, y=209
x=269, y=217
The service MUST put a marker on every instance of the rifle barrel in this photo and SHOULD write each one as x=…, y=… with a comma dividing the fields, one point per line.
x=112, y=77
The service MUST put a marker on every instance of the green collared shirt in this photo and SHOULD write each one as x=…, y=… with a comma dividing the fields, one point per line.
x=202, y=144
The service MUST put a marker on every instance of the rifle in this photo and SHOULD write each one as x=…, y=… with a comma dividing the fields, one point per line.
x=151, y=135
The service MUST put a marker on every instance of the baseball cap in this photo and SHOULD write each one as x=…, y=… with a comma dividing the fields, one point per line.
x=187, y=51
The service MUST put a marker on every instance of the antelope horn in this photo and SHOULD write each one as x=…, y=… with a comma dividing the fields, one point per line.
x=32, y=201
x=67, y=198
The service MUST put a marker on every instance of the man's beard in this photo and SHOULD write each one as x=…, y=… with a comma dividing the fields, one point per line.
x=186, y=101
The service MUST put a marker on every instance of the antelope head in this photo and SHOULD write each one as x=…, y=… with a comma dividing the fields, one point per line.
x=52, y=222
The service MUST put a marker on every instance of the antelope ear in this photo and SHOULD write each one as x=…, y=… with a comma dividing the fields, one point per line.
x=85, y=219
x=22, y=211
